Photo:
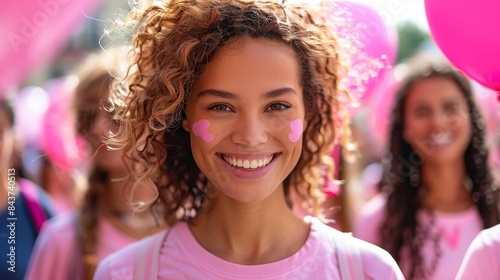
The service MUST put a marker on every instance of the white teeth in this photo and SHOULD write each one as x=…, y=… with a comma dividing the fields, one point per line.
x=441, y=138
x=248, y=164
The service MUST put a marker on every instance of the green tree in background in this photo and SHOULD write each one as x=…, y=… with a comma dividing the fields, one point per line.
x=410, y=38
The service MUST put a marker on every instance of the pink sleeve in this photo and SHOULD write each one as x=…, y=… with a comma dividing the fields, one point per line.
x=53, y=250
x=367, y=224
x=483, y=257
x=103, y=271
x=378, y=264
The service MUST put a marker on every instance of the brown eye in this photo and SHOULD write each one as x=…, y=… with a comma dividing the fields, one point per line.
x=219, y=107
x=279, y=106
x=451, y=108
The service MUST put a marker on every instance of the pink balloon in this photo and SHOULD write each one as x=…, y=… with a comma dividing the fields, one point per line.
x=467, y=33
x=370, y=45
x=33, y=31
x=486, y=101
x=30, y=104
x=58, y=138
x=381, y=107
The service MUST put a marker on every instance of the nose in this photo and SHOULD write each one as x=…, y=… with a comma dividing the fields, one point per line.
x=440, y=120
x=250, y=131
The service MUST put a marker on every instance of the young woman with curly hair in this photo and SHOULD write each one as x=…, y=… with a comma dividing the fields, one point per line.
x=228, y=105
x=437, y=190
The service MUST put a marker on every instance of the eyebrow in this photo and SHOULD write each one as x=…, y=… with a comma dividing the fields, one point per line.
x=229, y=95
x=446, y=101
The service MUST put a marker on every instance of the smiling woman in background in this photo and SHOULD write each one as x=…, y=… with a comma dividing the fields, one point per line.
x=438, y=190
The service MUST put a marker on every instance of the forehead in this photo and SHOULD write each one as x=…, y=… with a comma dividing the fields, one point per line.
x=250, y=65
x=90, y=101
x=434, y=90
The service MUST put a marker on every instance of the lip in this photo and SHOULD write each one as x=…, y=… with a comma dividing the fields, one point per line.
x=248, y=156
x=249, y=173
x=433, y=142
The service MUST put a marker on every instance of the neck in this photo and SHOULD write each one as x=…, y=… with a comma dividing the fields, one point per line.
x=444, y=187
x=250, y=233
x=136, y=225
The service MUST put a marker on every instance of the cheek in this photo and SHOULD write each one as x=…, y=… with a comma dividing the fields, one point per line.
x=201, y=129
x=466, y=129
x=296, y=127
x=415, y=127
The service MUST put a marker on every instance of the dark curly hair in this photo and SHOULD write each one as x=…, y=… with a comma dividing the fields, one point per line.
x=174, y=40
x=402, y=172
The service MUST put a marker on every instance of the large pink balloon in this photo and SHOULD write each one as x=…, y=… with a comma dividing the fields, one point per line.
x=486, y=100
x=370, y=45
x=467, y=33
x=381, y=106
x=58, y=138
x=32, y=33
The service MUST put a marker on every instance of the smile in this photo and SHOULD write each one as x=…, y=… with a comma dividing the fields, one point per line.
x=440, y=139
x=248, y=163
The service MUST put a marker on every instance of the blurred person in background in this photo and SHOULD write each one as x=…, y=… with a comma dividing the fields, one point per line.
x=71, y=246
x=438, y=191
x=23, y=205
x=64, y=187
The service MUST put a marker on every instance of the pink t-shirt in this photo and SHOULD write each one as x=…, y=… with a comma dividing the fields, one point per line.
x=455, y=230
x=182, y=257
x=56, y=247
x=482, y=260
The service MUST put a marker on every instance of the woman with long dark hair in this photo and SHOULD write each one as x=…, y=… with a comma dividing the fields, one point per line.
x=437, y=189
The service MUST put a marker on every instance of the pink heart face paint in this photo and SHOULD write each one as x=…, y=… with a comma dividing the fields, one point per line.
x=297, y=126
x=200, y=129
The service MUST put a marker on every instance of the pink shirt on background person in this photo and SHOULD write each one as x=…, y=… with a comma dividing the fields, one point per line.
x=62, y=205
x=482, y=260
x=182, y=257
x=455, y=230
x=54, y=256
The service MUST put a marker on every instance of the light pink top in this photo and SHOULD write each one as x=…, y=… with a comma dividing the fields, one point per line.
x=182, y=257
x=455, y=230
x=482, y=260
x=55, y=248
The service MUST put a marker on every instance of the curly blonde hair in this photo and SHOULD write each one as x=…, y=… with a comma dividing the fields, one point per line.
x=173, y=42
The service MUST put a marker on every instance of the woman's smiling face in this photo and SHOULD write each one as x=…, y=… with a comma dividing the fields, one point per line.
x=246, y=117
x=437, y=120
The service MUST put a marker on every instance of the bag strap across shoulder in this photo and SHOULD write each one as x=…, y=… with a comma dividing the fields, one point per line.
x=33, y=203
x=147, y=263
x=349, y=257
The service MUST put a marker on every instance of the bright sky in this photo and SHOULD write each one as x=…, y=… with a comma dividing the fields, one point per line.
x=394, y=11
